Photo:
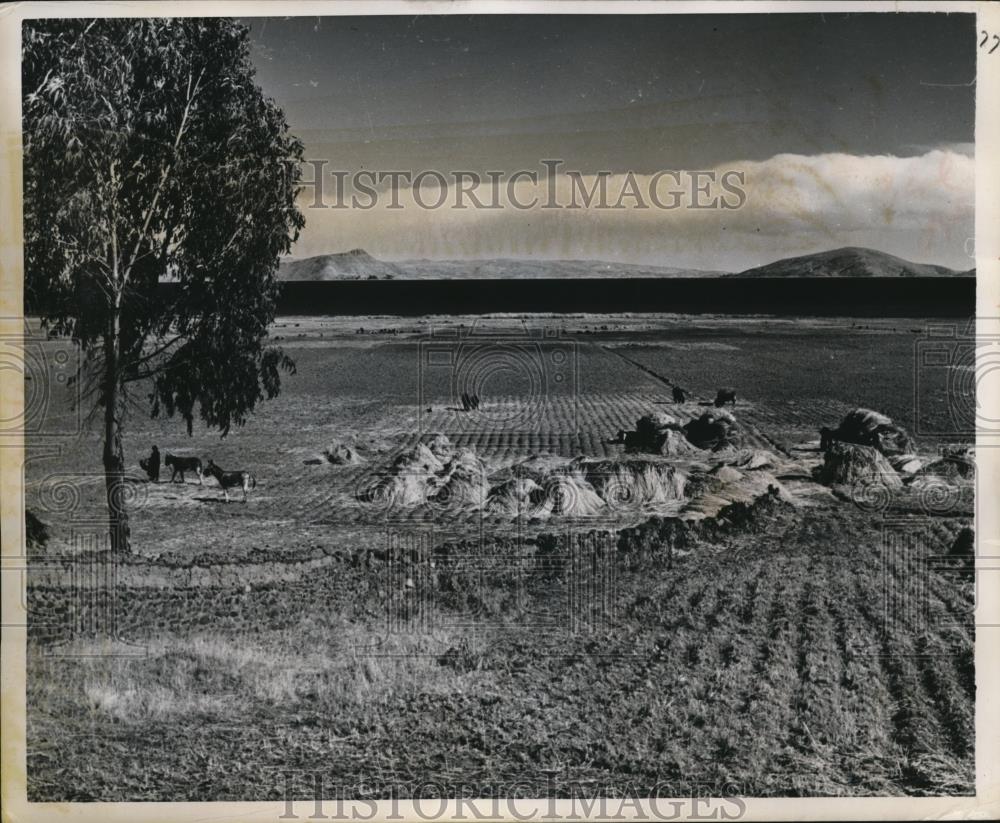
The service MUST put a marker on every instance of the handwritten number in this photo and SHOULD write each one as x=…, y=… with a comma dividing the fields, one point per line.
x=995, y=39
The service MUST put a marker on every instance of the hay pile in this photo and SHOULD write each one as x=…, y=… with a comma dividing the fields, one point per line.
x=540, y=493
x=336, y=454
x=865, y=427
x=433, y=472
x=848, y=464
x=515, y=497
x=519, y=490
x=955, y=465
x=750, y=459
x=340, y=454
x=463, y=483
x=946, y=485
x=658, y=433
x=724, y=485
x=713, y=431
x=675, y=444
x=634, y=482
x=906, y=463
x=650, y=426
x=436, y=473
x=584, y=488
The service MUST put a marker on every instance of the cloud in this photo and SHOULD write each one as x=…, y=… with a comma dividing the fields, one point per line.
x=920, y=207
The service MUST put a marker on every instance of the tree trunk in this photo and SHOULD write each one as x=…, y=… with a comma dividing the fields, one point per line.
x=114, y=454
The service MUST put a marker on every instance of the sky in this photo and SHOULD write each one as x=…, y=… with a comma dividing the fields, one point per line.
x=849, y=130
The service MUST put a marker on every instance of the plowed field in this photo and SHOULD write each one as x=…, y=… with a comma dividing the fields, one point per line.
x=800, y=644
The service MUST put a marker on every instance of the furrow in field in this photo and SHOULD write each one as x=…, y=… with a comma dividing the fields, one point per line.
x=926, y=746
x=864, y=702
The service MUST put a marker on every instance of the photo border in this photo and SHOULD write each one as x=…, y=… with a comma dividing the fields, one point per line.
x=986, y=802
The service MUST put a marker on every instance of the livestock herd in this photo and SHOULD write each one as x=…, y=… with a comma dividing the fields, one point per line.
x=179, y=465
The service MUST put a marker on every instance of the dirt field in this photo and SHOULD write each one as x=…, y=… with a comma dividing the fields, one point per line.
x=771, y=636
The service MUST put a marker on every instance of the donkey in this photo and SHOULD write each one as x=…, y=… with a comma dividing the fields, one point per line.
x=183, y=464
x=229, y=480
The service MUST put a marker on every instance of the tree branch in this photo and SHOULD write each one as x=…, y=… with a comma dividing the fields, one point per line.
x=165, y=173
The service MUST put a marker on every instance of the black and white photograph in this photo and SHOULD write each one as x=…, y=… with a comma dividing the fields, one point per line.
x=498, y=411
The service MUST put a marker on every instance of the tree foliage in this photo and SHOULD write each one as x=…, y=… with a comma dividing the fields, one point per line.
x=152, y=155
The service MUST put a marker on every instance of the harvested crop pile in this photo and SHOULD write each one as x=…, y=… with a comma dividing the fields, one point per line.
x=634, y=482
x=675, y=444
x=432, y=472
x=955, y=465
x=848, y=464
x=440, y=446
x=585, y=487
x=565, y=491
x=658, y=433
x=711, y=492
x=340, y=454
x=906, y=463
x=569, y=494
x=947, y=485
x=650, y=426
x=713, y=431
x=544, y=486
x=750, y=459
x=870, y=428
x=515, y=497
x=463, y=483
x=336, y=454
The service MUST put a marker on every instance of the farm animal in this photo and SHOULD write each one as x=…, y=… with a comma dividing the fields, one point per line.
x=723, y=396
x=151, y=465
x=680, y=396
x=183, y=464
x=235, y=479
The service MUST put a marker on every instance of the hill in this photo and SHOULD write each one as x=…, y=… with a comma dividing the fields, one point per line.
x=356, y=264
x=850, y=262
x=506, y=268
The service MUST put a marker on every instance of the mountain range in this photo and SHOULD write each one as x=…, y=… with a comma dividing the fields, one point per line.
x=357, y=264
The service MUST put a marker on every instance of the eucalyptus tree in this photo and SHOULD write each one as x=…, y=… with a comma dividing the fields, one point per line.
x=160, y=191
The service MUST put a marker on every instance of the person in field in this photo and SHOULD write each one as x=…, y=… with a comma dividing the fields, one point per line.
x=151, y=465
